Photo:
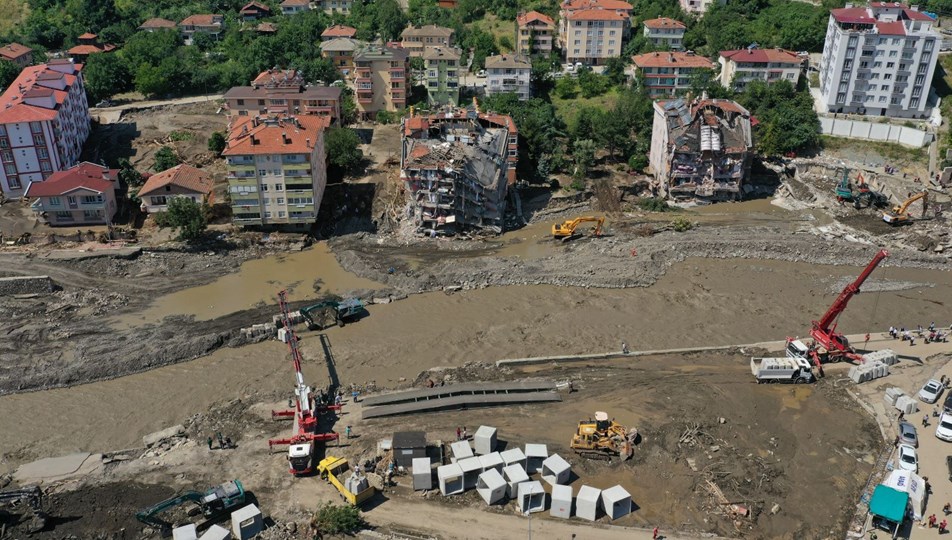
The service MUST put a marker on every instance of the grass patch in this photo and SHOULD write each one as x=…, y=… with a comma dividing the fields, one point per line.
x=497, y=27
x=13, y=12
x=892, y=152
x=567, y=109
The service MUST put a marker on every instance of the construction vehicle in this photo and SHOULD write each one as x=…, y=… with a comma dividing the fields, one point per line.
x=212, y=503
x=828, y=344
x=844, y=190
x=867, y=198
x=355, y=490
x=566, y=231
x=900, y=213
x=326, y=314
x=33, y=497
x=863, y=197
x=603, y=438
x=306, y=413
x=782, y=370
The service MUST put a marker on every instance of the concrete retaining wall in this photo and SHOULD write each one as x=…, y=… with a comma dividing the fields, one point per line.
x=25, y=285
x=856, y=129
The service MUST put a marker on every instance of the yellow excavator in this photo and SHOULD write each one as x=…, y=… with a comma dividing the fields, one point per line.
x=566, y=230
x=900, y=213
x=603, y=438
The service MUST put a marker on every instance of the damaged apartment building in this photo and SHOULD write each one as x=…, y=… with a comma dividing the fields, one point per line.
x=457, y=168
x=700, y=150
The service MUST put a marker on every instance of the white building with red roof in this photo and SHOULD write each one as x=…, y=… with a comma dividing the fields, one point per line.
x=44, y=121
x=180, y=181
x=21, y=55
x=84, y=194
x=669, y=73
x=277, y=169
x=879, y=60
x=665, y=32
x=741, y=66
x=535, y=34
x=211, y=24
x=592, y=31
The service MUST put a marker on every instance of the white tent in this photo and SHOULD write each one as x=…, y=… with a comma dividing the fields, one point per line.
x=491, y=461
x=491, y=486
x=451, y=479
x=914, y=485
x=535, y=455
x=422, y=474
x=561, y=501
x=514, y=456
x=472, y=468
x=531, y=497
x=587, y=503
x=617, y=502
x=514, y=475
x=485, y=440
x=461, y=450
x=555, y=470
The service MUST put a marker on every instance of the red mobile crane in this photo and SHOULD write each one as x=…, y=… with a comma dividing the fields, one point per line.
x=305, y=434
x=828, y=343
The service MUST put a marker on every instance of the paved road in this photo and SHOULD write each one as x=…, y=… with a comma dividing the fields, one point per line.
x=111, y=115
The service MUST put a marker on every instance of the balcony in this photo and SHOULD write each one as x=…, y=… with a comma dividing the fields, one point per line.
x=250, y=166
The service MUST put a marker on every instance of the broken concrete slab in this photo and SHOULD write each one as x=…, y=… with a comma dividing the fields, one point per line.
x=159, y=436
x=54, y=469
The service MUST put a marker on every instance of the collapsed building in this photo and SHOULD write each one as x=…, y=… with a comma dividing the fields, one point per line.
x=700, y=150
x=457, y=167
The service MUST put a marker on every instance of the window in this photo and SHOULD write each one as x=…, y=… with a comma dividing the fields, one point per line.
x=887, y=76
x=38, y=140
x=280, y=200
x=92, y=199
x=914, y=102
x=877, y=64
x=578, y=42
x=44, y=153
x=893, y=54
x=4, y=143
x=884, y=88
x=7, y=156
x=890, y=65
x=841, y=97
x=3, y=130
x=14, y=182
x=35, y=127
x=262, y=172
x=264, y=187
x=241, y=102
x=54, y=201
x=279, y=187
x=882, y=99
x=10, y=168
x=158, y=201
x=64, y=216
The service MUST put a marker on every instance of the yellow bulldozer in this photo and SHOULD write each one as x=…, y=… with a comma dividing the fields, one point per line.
x=603, y=438
x=566, y=231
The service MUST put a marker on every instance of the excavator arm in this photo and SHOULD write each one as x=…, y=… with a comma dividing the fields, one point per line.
x=567, y=229
x=904, y=207
x=149, y=516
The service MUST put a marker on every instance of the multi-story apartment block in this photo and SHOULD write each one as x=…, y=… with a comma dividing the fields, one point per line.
x=416, y=39
x=44, y=121
x=341, y=51
x=278, y=91
x=669, y=73
x=84, y=194
x=208, y=24
x=338, y=31
x=336, y=6
x=592, y=31
x=442, y=75
x=180, y=181
x=700, y=150
x=382, y=79
x=21, y=55
x=292, y=7
x=699, y=7
x=277, y=169
x=457, y=168
x=535, y=34
x=157, y=23
x=665, y=32
x=508, y=73
x=768, y=65
x=879, y=59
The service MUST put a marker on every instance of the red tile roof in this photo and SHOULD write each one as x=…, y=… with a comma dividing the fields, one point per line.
x=723, y=104
x=339, y=30
x=762, y=56
x=88, y=35
x=266, y=135
x=253, y=8
x=12, y=106
x=14, y=51
x=201, y=20
x=266, y=28
x=570, y=5
x=83, y=175
x=157, y=22
x=671, y=59
x=86, y=50
x=911, y=14
x=183, y=176
x=596, y=15
x=894, y=28
x=664, y=22
x=533, y=16
x=854, y=15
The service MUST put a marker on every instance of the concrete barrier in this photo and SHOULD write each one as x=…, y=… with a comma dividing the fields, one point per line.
x=25, y=285
x=857, y=129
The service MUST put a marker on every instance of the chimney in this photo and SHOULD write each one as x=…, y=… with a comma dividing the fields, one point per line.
x=284, y=136
x=254, y=140
x=307, y=142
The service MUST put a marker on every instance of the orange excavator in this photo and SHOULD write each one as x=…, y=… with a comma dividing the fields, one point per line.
x=566, y=230
x=900, y=214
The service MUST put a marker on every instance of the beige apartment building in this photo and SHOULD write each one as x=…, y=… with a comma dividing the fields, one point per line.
x=382, y=79
x=283, y=91
x=669, y=73
x=665, y=32
x=416, y=39
x=592, y=31
x=768, y=65
x=535, y=34
x=341, y=51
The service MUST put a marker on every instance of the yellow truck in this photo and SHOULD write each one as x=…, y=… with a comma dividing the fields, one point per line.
x=355, y=489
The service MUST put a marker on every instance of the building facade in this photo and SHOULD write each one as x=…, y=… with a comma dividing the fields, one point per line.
x=180, y=181
x=278, y=91
x=198, y=24
x=252, y=11
x=879, y=59
x=667, y=74
x=382, y=79
x=457, y=168
x=592, y=31
x=44, y=121
x=340, y=51
x=416, y=39
x=442, y=75
x=293, y=7
x=277, y=169
x=699, y=7
x=84, y=194
x=535, y=34
x=768, y=65
x=700, y=150
x=21, y=55
x=336, y=6
x=509, y=73
x=665, y=32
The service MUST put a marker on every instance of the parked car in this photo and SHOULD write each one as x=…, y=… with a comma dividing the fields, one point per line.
x=947, y=405
x=943, y=430
x=481, y=73
x=931, y=391
x=908, y=435
x=908, y=459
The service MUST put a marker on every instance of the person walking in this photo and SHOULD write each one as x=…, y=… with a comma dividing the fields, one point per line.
x=458, y=433
x=932, y=521
x=348, y=431
x=925, y=421
x=942, y=526
x=209, y=443
x=654, y=534
x=465, y=435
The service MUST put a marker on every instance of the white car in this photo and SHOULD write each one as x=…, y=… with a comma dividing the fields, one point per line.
x=931, y=391
x=908, y=460
x=944, y=429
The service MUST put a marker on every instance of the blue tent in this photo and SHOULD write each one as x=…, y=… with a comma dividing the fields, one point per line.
x=889, y=503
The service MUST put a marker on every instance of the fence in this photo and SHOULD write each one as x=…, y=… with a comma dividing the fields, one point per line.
x=857, y=129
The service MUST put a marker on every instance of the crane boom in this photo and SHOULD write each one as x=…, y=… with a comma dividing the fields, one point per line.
x=848, y=292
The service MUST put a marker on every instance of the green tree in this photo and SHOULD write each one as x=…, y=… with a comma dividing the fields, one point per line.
x=483, y=44
x=540, y=133
x=637, y=162
x=788, y=121
x=583, y=152
x=590, y=83
x=217, y=142
x=105, y=75
x=128, y=174
x=390, y=19
x=342, y=146
x=566, y=88
x=8, y=73
x=615, y=71
x=337, y=519
x=586, y=123
x=185, y=215
x=505, y=44
x=165, y=158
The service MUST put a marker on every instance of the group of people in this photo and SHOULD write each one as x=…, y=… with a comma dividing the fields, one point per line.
x=224, y=443
x=461, y=434
x=930, y=335
x=942, y=525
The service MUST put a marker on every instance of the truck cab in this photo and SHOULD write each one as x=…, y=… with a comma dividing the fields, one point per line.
x=797, y=349
x=299, y=459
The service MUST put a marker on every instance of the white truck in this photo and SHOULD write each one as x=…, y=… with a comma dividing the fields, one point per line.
x=782, y=370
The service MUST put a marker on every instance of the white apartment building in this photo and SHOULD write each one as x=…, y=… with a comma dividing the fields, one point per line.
x=739, y=67
x=44, y=121
x=879, y=60
x=665, y=32
x=592, y=31
x=699, y=7
x=508, y=73
x=277, y=169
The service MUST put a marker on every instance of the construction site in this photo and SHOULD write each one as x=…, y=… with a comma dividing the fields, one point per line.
x=592, y=373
